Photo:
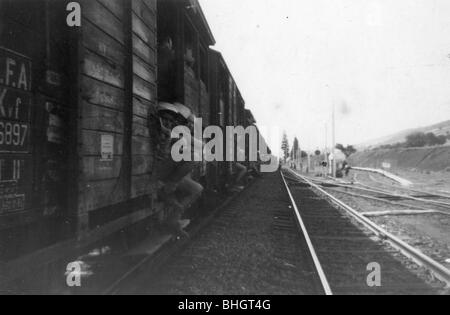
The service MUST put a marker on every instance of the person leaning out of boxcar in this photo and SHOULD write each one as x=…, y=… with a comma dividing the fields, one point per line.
x=193, y=190
x=176, y=189
x=240, y=169
x=166, y=70
x=254, y=168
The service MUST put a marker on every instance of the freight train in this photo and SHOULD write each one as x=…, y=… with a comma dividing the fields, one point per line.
x=77, y=155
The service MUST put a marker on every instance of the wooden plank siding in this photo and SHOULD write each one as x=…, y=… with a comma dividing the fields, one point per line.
x=144, y=94
x=191, y=90
x=222, y=85
x=118, y=91
x=35, y=209
x=205, y=107
x=102, y=17
x=103, y=62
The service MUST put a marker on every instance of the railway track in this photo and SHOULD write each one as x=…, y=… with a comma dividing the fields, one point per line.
x=353, y=240
x=345, y=187
x=409, y=191
x=267, y=243
x=388, y=200
x=419, y=200
x=370, y=181
x=253, y=246
x=409, y=194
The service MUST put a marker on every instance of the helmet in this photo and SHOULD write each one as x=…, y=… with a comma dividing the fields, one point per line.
x=162, y=106
x=183, y=110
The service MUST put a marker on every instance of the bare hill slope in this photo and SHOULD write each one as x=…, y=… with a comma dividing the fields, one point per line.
x=436, y=159
x=442, y=128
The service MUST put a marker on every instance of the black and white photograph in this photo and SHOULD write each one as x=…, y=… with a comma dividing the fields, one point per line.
x=220, y=155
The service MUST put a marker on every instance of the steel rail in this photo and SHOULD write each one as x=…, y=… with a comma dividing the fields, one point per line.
x=441, y=272
x=377, y=190
x=317, y=264
x=424, y=192
x=383, y=192
x=409, y=190
x=387, y=201
x=408, y=197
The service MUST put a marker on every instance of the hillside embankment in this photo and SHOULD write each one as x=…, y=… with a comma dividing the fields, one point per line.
x=436, y=159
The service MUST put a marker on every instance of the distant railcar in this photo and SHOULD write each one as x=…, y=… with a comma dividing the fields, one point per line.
x=226, y=107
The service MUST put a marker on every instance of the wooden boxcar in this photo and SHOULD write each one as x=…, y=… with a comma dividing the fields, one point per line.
x=227, y=107
x=38, y=119
x=117, y=91
x=76, y=151
x=184, y=23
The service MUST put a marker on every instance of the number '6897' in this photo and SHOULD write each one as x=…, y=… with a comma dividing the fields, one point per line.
x=13, y=133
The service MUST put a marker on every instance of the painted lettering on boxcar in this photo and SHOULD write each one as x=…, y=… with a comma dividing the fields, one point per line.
x=15, y=70
x=15, y=128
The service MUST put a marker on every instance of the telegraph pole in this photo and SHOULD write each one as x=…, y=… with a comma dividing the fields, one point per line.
x=333, y=149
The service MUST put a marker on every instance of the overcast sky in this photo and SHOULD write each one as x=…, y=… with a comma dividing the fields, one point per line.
x=384, y=63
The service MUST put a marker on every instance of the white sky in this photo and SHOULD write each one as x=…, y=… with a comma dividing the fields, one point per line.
x=384, y=63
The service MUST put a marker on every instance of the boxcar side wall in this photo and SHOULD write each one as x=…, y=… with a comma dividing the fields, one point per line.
x=103, y=103
x=144, y=43
x=77, y=161
x=35, y=113
x=118, y=91
x=76, y=151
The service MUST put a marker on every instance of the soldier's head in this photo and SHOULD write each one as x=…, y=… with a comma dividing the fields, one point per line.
x=166, y=42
